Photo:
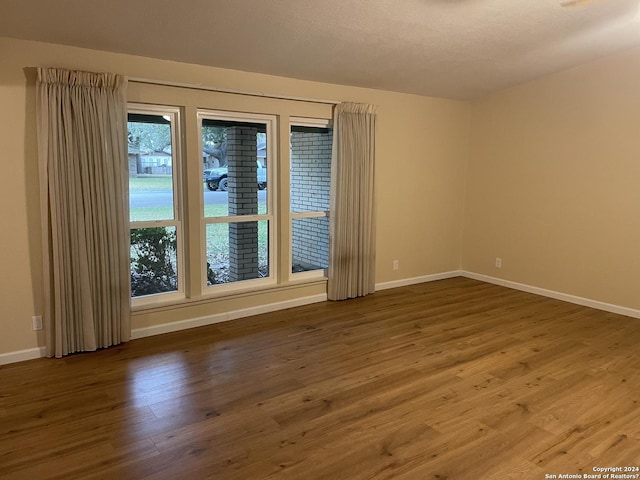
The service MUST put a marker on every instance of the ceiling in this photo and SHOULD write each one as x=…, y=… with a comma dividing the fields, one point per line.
x=445, y=48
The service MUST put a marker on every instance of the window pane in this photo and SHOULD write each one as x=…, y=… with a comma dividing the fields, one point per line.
x=310, y=244
x=237, y=251
x=150, y=167
x=235, y=168
x=154, y=263
x=310, y=169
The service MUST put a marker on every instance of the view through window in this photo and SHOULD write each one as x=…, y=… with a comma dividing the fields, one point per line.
x=237, y=191
x=238, y=231
x=154, y=219
x=311, y=144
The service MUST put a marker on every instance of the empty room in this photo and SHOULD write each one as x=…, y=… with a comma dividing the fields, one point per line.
x=320, y=240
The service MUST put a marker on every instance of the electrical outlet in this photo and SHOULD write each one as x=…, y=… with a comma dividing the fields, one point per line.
x=395, y=265
x=498, y=262
x=36, y=322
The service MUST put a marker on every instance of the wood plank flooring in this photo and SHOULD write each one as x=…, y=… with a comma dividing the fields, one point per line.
x=454, y=379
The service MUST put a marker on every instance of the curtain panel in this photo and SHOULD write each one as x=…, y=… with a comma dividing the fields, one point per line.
x=352, y=221
x=83, y=190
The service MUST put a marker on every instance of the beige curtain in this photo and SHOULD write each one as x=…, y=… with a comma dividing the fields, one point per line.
x=83, y=181
x=352, y=222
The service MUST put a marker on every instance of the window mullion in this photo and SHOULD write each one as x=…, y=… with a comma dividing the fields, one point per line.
x=238, y=219
x=324, y=213
x=155, y=223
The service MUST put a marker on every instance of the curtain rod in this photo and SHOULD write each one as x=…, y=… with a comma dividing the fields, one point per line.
x=227, y=90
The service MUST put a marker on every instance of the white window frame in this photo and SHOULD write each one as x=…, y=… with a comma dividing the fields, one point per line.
x=270, y=216
x=311, y=274
x=176, y=169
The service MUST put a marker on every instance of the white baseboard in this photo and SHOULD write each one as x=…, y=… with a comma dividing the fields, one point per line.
x=271, y=307
x=585, y=302
x=415, y=280
x=22, y=355
x=224, y=317
x=38, y=352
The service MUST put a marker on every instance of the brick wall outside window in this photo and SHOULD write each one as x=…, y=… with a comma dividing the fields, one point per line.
x=310, y=191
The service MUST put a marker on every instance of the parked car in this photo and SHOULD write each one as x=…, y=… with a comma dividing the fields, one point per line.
x=216, y=178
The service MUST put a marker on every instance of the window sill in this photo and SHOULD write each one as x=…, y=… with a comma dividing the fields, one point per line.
x=209, y=297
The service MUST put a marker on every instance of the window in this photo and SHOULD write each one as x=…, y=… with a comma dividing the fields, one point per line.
x=238, y=186
x=156, y=229
x=215, y=212
x=310, y=181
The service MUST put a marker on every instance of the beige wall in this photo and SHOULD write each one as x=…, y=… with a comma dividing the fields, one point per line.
x=421, y=155
x=553, y=183
x=551, y=180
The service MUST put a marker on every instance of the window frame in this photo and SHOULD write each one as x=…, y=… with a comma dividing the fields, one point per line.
x=271, y=125
x=321, y=273
x=175, y=114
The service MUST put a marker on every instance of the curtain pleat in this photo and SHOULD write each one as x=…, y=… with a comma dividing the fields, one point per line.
x=83, y=181
x=352, y=222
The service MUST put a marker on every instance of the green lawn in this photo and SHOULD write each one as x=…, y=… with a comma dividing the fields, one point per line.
x=150, y=183
x=150, y=214
x=217, y=238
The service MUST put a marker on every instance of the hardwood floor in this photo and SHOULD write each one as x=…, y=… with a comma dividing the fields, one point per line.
x=454, y=379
